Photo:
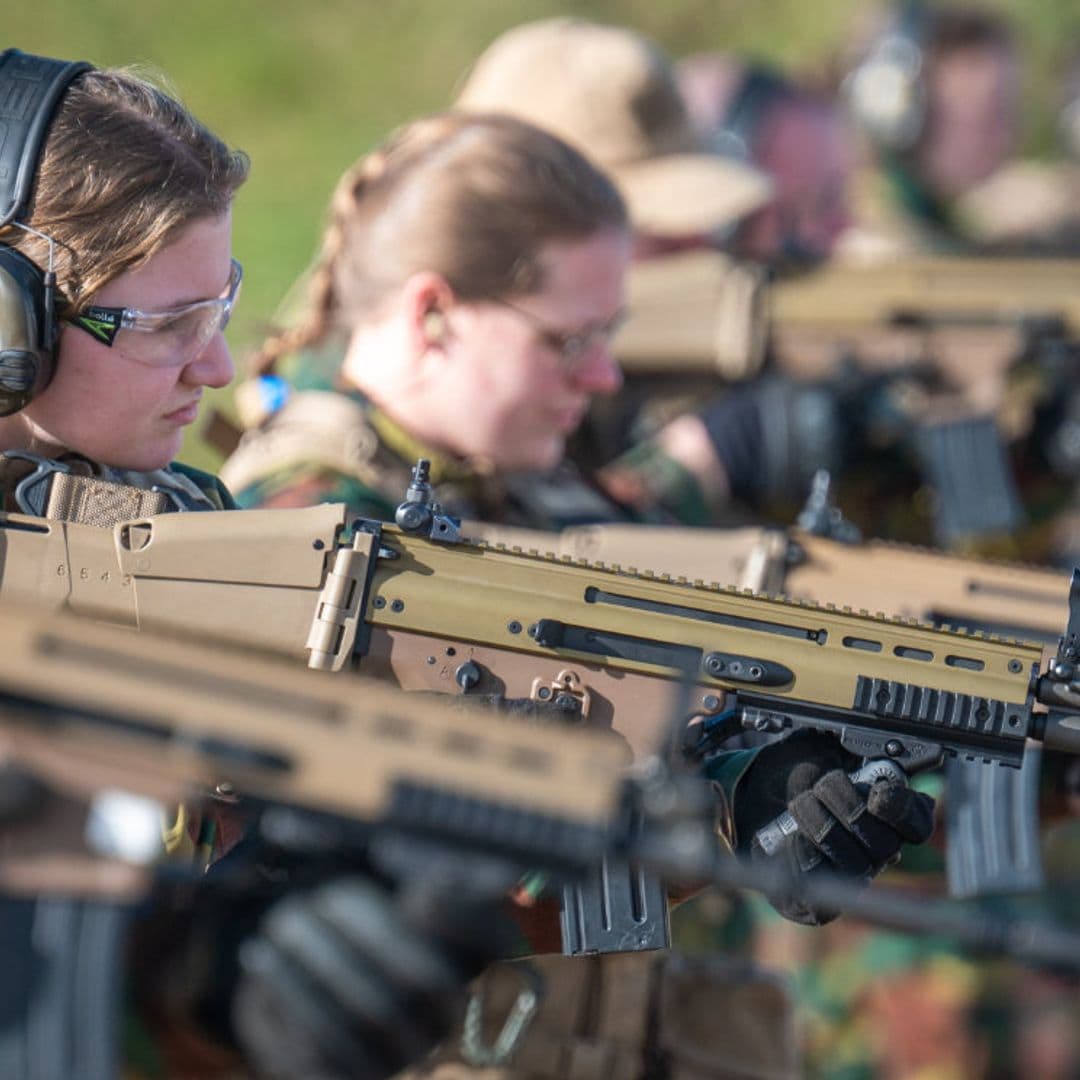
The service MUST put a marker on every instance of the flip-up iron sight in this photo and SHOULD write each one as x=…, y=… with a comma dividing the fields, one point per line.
x=420, y=514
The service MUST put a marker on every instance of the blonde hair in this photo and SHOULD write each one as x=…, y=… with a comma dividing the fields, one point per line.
x=472, y=197
x=125, y=167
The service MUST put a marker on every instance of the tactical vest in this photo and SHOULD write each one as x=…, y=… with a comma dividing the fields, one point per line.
x=73, y=488
x=626, y=1016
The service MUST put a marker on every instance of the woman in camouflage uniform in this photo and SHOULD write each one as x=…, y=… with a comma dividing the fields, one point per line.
x=140, y=245
x=470, y=281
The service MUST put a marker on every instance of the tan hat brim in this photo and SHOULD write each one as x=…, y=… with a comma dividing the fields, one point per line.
x=684, y=194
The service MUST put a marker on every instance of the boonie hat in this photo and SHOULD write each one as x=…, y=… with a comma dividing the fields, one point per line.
x=612, y=94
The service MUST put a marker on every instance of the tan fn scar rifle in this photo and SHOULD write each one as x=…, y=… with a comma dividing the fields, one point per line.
x=93, y=711
x=103, y=731
x=979, y=595
x=972, y=318
x=418, y=605
x=1000, y=338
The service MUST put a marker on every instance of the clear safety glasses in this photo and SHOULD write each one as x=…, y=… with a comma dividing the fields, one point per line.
x=571, y=347
x=169, y=338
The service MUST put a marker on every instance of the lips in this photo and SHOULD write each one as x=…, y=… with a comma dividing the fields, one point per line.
x=186, y=414
x=569, y=419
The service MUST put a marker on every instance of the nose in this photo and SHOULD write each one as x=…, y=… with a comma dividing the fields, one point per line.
x=598, y=372
x=213, y=367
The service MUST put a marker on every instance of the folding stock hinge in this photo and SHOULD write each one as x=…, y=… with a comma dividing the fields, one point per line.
x=340, y=605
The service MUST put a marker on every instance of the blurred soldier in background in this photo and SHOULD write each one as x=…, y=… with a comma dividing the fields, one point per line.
x=754, y=450
x=1032, y=207
x=612, y=93
x=936, y=93
x=798, y=137
x=476, y=337
x=700, y=263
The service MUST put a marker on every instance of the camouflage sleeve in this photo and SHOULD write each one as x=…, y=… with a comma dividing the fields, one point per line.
x=725, y=770
x=208, y=484
x=655, y=487
x=307, y=485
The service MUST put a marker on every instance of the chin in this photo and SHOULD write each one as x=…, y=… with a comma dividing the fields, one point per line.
x=142, y=460
x=539, y=458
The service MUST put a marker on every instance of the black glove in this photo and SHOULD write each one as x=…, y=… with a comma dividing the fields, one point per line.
x=843, y=828
x=773, y=434
x=340, y=982
x=313, y=964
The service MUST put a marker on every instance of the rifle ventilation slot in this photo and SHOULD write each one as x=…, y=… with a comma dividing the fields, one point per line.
x=865, y=644
x=906, y=652
x=969, y=663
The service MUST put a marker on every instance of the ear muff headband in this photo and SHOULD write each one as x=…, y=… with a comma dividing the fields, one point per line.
x=30, y=88
x=758, y=89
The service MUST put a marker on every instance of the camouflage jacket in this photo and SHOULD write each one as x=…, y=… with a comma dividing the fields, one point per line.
x=323, y=445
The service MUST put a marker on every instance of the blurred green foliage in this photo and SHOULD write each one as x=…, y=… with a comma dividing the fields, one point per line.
x=305, y=88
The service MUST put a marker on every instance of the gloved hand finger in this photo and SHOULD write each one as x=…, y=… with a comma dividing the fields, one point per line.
x=352, y=980
x=351, y=943
x=819, y=827
x=781, y=771
x=364, y=919
x=909, y=812
x=286, y=1029
x=849, y=806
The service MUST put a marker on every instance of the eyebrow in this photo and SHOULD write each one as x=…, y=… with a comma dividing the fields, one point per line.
x=175, y=305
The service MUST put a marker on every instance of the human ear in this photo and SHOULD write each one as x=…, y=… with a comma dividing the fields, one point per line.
x=434, y=324
x=426, y=299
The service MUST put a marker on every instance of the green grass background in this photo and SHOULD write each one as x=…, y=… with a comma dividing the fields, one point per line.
x=305, y=87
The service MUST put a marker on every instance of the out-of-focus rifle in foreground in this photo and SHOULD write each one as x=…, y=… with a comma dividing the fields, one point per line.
x=416, y=604
x=97, y=713
x=112, y=727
